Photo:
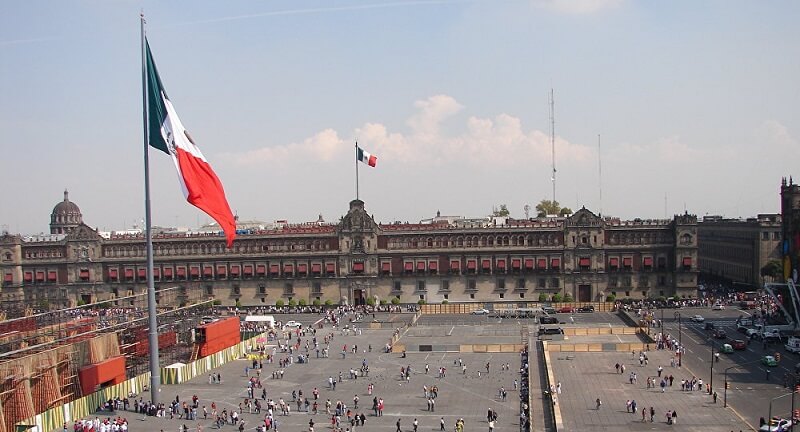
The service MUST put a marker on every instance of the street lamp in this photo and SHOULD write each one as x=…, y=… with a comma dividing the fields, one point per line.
x=680, y=339
x=769, y=419
x=711, y=369
x=725, y=395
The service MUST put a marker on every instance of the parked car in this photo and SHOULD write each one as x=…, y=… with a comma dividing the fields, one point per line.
x=718, y=306
x=698, y=318
x=548, y=310
x=739, y=345
x=566, y=309
x=293, y=324
x=751, y=333
x=588, y=308
x=480, y=312
x=548, y=320
x=769, y=361
x=719, y=334
x=550, y=330
x=726, y=349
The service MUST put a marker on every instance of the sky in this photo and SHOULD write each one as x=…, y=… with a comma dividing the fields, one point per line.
x=664, y=106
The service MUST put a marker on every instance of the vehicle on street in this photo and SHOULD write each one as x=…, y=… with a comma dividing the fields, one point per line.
x=548, y=320
x=793, y=345
x=548, y=310
x=480, y=312
x=739, y=345
x=751, y=333
x=771, y=335
x=719, y=334
x=726, y=349
x=718, y=307
x=550, y=330
x=292, y=324
x=709, y=326
x=776, y=424
x=769, y=361
x=566, y=309
x=584, y=309
x=698, y=318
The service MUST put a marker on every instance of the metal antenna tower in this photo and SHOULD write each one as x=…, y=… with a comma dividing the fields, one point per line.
x=553, y=141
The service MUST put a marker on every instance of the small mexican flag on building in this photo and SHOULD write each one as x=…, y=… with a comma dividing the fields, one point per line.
x=363, y=156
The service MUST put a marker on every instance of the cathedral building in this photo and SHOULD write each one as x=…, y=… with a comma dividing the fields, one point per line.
x=585, y=256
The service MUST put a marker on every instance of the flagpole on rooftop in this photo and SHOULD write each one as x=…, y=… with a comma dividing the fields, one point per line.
x=356, y=149
x=155, y=371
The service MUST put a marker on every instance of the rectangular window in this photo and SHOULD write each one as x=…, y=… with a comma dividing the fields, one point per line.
x=397, y=286
x=446, y=296
x=472, y=296
x=237, y=290
x=288, y=289
x=471, y=285
x=316, y=287
x=420, y=286
x=262, y=289
x=776, y=235
x=764, y=235
x=445, y=285
x=521, y=284
x=555, y=283
x=521, y=295
x=209, y=290
x=422, y=296
x=542, y=283
x=501, y=284
x=502, y=295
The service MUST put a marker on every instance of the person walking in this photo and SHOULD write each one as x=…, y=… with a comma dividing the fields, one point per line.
x=441, y=424
x=599, y=403
x=652, y=414
x=416, y=425
x=398, y=426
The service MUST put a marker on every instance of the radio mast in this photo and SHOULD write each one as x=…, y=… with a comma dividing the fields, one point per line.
x=553, y=141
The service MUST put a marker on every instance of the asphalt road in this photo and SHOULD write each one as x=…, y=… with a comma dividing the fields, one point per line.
x=751, y=386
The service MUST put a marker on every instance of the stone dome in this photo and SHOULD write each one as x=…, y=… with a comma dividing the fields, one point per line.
x=65, y=216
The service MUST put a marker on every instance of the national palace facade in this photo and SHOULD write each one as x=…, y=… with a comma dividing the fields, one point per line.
x=583, y=255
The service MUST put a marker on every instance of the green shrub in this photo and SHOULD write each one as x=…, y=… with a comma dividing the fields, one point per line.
x=371, y=301
x=279, y=303
x=611, y=298
x=316, y=302
x=238, y=303
x=292, y=302
x=568, y=298
x=328, y=302
x=395, y=300
x=557, y=297
x=445, y=302
x=542, y=297
x=420, y=302
x=301, y=302
x=217, y=302
x=383, y=302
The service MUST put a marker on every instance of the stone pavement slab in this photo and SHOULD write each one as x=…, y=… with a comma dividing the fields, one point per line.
x=586, y=376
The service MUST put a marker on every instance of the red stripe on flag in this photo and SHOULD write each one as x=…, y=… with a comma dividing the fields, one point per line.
x=372, y=160
x=205, y=192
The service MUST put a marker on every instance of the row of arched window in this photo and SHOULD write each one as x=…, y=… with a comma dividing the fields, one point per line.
x=418, y=242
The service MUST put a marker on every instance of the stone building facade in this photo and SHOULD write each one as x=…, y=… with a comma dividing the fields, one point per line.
x=582, y=255
x=736, y=250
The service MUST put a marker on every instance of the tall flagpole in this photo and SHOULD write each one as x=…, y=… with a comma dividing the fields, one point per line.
x=356, y=169
x=155, y=370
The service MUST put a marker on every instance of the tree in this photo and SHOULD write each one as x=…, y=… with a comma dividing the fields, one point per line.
x=568, y=298
x=542, y=297
x=772, y=269
x=557, y=298
x=279, y=303
x=547, y=207
x=395, y=300
x=371, y=301
x=292, y=302
x=316, y=302
x=502, y=212
x=301, y=302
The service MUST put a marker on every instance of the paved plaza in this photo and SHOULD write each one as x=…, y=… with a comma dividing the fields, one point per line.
x=467, y=396
x=586, y=376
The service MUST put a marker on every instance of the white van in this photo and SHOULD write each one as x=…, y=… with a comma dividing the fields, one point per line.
x=267, y=320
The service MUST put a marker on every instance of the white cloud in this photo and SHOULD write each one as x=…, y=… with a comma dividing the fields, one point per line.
x=777, y=137
x=500, y=141
x=322, y=146
x=577, y=6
